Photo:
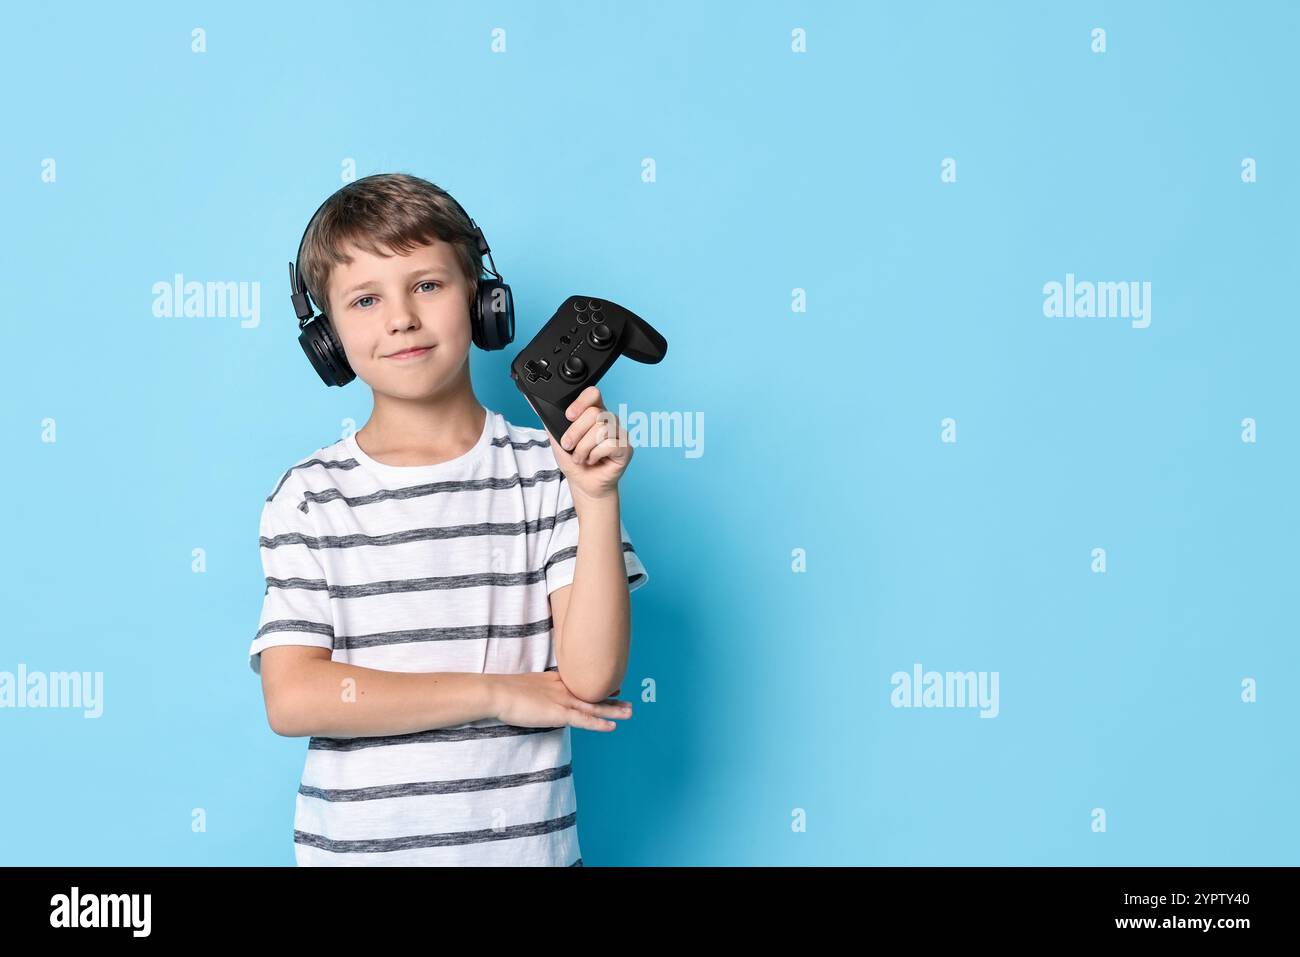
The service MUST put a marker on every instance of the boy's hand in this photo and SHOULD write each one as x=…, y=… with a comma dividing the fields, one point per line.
x=540, y=699
x=594, y=451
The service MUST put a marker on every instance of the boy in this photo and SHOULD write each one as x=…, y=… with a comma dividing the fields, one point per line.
x=447, y=593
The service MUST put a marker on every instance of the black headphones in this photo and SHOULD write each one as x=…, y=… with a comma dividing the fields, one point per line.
x=492, y=314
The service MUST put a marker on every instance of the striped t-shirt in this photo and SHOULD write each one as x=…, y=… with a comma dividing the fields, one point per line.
x=444, y=567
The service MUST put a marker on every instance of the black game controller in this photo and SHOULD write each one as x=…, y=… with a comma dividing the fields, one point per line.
x=574, y=349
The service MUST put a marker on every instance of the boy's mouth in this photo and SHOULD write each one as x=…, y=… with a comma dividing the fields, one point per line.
x=410, y=353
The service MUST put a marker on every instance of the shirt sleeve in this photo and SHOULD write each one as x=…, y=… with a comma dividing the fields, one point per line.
x=562, y=550
x=296, y=605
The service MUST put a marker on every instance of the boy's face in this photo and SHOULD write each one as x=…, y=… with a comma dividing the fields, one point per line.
x=381, y=305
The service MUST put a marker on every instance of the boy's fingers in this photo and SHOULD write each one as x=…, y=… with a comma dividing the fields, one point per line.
x=588, y=396
x=605, y=709
x=596, y=433
x=583, y=720
x=602, y=450
x=571, y=436
x=574, y=433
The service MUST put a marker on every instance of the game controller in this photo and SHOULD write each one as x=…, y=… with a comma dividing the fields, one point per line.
x=574, y=349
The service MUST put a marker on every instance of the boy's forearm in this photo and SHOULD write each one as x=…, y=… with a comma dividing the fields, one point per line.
x=593, y=649
x=336, y=699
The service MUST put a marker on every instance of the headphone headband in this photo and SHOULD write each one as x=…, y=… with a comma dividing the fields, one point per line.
x=302, y=301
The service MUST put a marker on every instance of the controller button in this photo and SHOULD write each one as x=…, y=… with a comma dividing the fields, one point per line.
x=600, y=336
x=579, y=305
x=597, y=317
x=573, y=368
x=596, y=304
x=582, y=320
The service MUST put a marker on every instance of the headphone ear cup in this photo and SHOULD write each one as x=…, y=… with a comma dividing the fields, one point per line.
x=325, y=351
x=494, y=315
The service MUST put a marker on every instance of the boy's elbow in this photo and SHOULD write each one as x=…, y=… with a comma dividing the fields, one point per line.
x=281, y=713
x=593, y=692
x=280, y=720
x=284, y=687
x=587, y=696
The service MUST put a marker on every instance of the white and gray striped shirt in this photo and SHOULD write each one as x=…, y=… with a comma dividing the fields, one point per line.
x=444, y=567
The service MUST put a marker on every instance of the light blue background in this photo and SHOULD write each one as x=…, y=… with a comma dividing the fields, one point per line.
x=775, y=171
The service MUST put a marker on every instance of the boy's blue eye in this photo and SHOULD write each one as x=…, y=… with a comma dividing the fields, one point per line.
x=427, y=282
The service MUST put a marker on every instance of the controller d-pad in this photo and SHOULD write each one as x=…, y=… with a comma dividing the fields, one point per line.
x=538, y=369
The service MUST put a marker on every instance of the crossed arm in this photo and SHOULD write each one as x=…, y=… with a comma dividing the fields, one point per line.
x=591, y=630
x=592, y=621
